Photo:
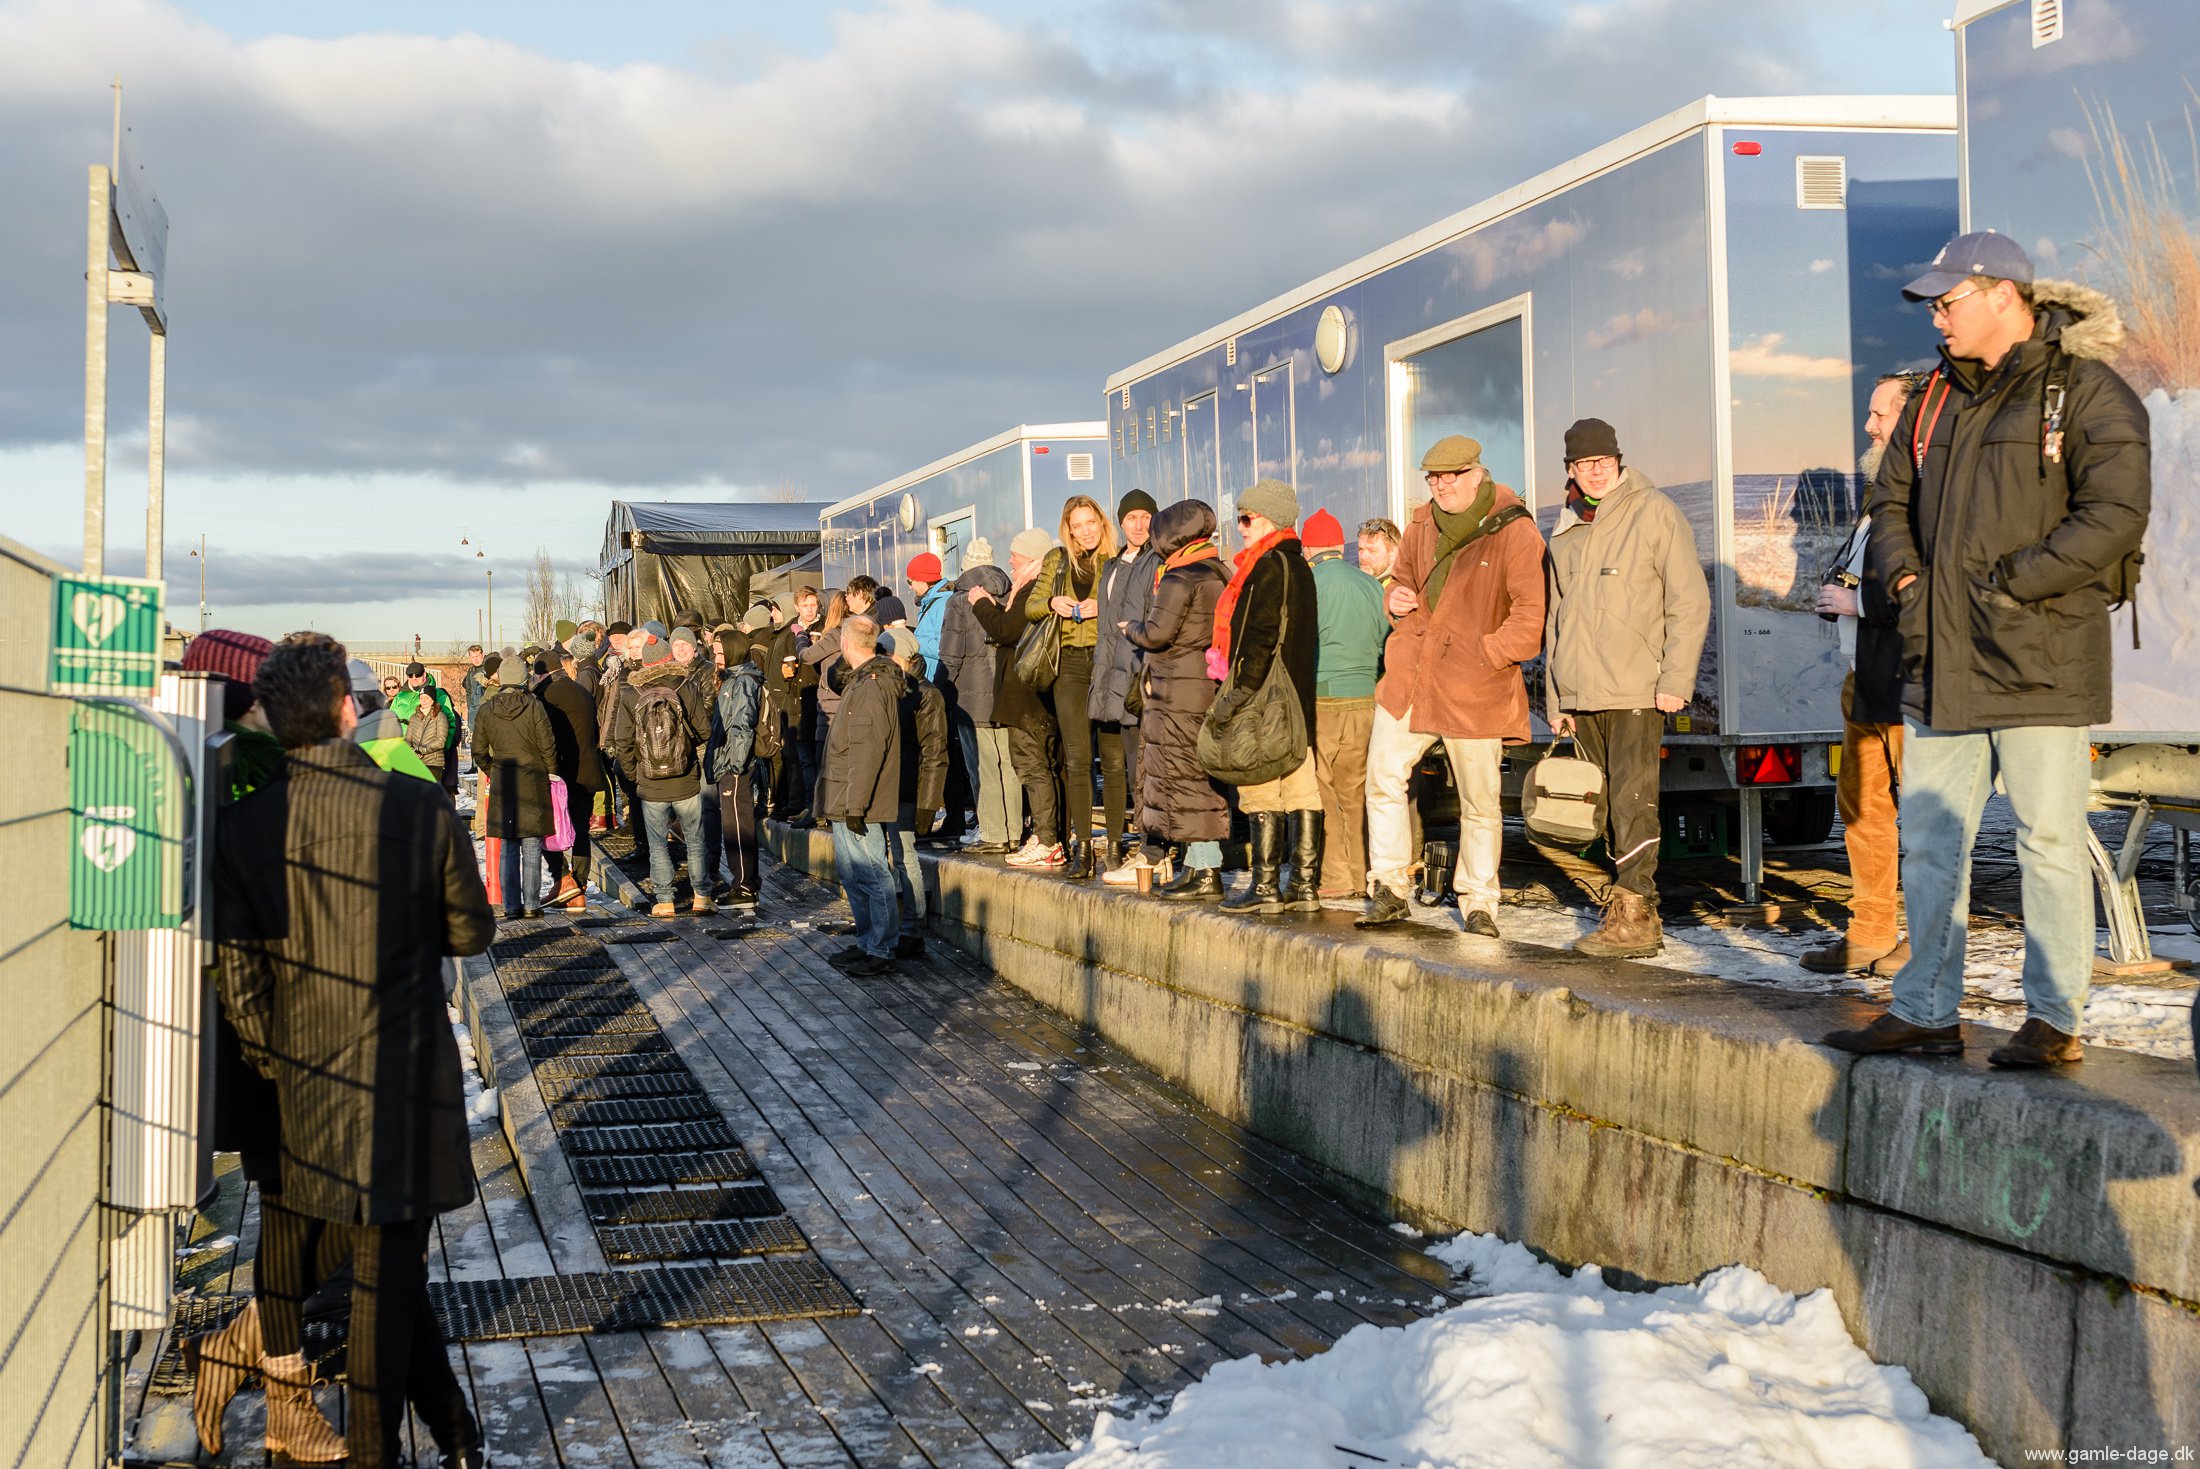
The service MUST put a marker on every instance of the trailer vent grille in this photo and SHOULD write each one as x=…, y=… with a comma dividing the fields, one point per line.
x=1229, y=353
x=1080, y=466
x=2047, y=22
x=1822, y=182
x=1126, y=397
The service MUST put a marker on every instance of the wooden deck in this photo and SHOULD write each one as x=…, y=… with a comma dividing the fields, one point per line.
x=1038, y=1229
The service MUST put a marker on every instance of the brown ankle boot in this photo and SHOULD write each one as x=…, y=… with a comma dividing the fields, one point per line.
x=296, y=1428
x=1631, y=929
x=221, y=1360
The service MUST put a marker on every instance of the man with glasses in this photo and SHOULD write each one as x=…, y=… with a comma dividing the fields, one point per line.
x=2006, y=519
x=1629, y=607
x=1467, y=604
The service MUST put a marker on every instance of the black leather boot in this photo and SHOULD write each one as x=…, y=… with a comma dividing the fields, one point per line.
x=1193, y=885
x=1303, y=893
x=1265, y=895
x=1077, y=858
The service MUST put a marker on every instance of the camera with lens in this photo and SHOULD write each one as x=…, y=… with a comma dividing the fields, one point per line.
x=1839, y=575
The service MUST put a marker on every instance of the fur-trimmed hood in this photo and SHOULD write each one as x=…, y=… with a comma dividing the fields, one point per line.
x=2085, y=321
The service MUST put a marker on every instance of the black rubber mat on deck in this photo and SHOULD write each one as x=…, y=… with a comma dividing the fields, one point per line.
x=629, y=1244
x=678, y=1137
x=622, y=1111
x=557, y=1089
x=636, y=1170
x=546, y=1047
x=657, y=1206
x=661, y=1063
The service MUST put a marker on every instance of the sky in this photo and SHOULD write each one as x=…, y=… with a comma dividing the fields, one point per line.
x=440, y=271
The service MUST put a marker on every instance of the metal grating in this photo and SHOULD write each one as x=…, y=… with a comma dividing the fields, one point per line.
x=194, y=1315
x=577, y=1007
x=675, y=1137
x=562, y=1089
x=657, y=1206
x=643, y=936
x=637, y=1024
x=659, y=1064
x=560, y=982
x=628, y=1244
x=625, y=1111
x=597, y=1045
x=639, y=1170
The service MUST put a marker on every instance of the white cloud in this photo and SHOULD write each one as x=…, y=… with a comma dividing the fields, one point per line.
x=1820, y=266
x=1762, y=357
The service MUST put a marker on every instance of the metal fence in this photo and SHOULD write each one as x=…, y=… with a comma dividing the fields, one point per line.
x=54, y=1297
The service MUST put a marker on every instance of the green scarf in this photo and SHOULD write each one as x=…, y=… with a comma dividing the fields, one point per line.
x=1453, y=533
x=255, y=759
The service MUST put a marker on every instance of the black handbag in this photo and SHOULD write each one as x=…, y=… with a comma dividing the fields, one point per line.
x=1262, y=738
x=1039, y=650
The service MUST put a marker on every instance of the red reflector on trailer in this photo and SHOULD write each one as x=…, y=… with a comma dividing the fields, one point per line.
x=1748, y=150
x=1768, y=765
x=1038, y=448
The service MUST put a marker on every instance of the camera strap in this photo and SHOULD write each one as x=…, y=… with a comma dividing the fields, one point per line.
x=1924, y=439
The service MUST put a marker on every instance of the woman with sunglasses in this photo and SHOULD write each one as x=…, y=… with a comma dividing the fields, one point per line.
x=1068, y=587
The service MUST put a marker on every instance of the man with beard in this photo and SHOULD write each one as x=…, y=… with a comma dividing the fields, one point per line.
x=1870, y=780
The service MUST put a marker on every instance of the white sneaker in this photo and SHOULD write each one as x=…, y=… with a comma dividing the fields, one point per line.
x=1127, y=874
x=1033, y=855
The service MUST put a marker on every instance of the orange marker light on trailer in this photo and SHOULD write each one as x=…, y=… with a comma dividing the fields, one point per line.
x=1748, y=150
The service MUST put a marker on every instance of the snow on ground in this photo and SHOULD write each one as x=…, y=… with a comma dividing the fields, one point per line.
x=2155, y=1019
x=1547, y=1369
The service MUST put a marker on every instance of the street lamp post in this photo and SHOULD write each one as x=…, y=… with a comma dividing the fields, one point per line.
x=488, y=590
x=199, y=555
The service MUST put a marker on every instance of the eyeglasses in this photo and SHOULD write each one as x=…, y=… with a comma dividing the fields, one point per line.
x=1602, y=464
x=1939, y=307
x=1244, y=520
x=390, y=687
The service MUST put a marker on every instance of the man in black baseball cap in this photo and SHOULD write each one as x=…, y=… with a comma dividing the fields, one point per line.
x=2006, y=519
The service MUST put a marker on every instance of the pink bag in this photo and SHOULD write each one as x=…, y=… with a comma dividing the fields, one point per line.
x=561, y=832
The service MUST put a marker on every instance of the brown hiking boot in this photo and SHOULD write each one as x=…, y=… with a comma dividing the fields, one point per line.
x=701, y=905
x=1889, y=964
x=221, y=1361
x=570, y=894
x=1631, y=929
x=1890, y=1034
x=2037, y=1043
x=1846, y=956
x=296, y=1427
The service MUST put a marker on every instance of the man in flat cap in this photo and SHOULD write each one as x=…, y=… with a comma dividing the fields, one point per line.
x=1629, y=609
x=2006, y=520
x=1467, y=602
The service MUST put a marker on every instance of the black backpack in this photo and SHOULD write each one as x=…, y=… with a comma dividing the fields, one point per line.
x=663, y=743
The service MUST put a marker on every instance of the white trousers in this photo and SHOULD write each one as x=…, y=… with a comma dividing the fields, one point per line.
x=1393, y=749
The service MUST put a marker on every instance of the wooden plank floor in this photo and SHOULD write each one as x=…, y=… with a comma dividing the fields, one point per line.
x=1038, y=1229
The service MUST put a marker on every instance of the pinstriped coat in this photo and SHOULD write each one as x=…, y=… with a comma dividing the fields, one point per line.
x=338, y=891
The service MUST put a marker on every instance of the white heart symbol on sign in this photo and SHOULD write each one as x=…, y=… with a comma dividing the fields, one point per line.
x=97, y=615
x=108, y=847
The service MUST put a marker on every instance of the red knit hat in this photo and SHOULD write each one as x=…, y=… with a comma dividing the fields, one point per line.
x=236, y=656
x=925, y=567
x=1321, y=530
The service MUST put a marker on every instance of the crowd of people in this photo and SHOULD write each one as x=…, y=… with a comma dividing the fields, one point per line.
x=1283, y=693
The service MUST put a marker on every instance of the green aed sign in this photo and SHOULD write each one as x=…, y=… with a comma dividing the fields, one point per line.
x=130, y=827
x=106, y=637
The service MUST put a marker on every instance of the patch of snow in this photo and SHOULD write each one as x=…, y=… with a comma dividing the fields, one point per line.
x=483, y=1106
x=1547, y=1369
x=1023, y=1066
x=1401, y=1227
x=928, y=1369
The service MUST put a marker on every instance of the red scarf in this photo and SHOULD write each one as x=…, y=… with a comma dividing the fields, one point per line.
x=1228, y=603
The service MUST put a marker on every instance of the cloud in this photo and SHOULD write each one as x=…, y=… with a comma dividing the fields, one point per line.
x=274, y=579
x=1762, y=357
x=1627, y=328
x=1820, y=266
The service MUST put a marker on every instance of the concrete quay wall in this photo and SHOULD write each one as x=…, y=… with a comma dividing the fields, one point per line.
x=2027, y=1245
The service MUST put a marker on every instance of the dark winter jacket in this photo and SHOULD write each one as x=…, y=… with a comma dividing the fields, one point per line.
x=1178, y=801
x=1875, y=694
x=968, y=658
x=514, y=744
x=863, y=746
x=608, y=684
x=818, y=662
x=572, y=711
x=733, y=718
x=1278, y=599
x=338, y=892
x=2007, y=622
x=625, y=732
x=923, y=711
x=1015, y=706
x=1126, y=594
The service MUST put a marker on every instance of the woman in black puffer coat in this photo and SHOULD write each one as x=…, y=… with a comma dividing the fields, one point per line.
x=1180, y=802
x=516, y=750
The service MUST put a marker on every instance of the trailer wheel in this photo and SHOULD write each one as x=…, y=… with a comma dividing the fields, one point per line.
x=1799, y=818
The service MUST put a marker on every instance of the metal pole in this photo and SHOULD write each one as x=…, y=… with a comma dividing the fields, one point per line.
x=95, y=372
x=202, y=581
x=489, y=580
x=156, y=462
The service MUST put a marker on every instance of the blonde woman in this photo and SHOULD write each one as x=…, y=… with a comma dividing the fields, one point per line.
x=1068, y=587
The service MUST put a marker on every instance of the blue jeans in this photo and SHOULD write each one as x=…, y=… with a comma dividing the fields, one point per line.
x=657, y=818
x=1200, y=856
x=519, y=872
x=908, y=872
x=1946, y=779
x=867, y=877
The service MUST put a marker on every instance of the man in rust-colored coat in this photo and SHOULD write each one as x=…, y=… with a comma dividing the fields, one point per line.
x=1467, y=600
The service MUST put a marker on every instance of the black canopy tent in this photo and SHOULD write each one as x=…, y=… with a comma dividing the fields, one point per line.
x=659, y=556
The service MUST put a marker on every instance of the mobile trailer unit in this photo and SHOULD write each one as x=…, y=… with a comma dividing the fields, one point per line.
x=661, y=556
x=2080, y=139
x=990, y=490
x=1722, y=285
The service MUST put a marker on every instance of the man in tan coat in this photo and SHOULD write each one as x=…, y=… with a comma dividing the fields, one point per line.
x=1467, y=599
x=1629, y=609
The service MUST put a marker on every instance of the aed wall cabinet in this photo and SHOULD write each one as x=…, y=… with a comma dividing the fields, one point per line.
x=132, y=832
